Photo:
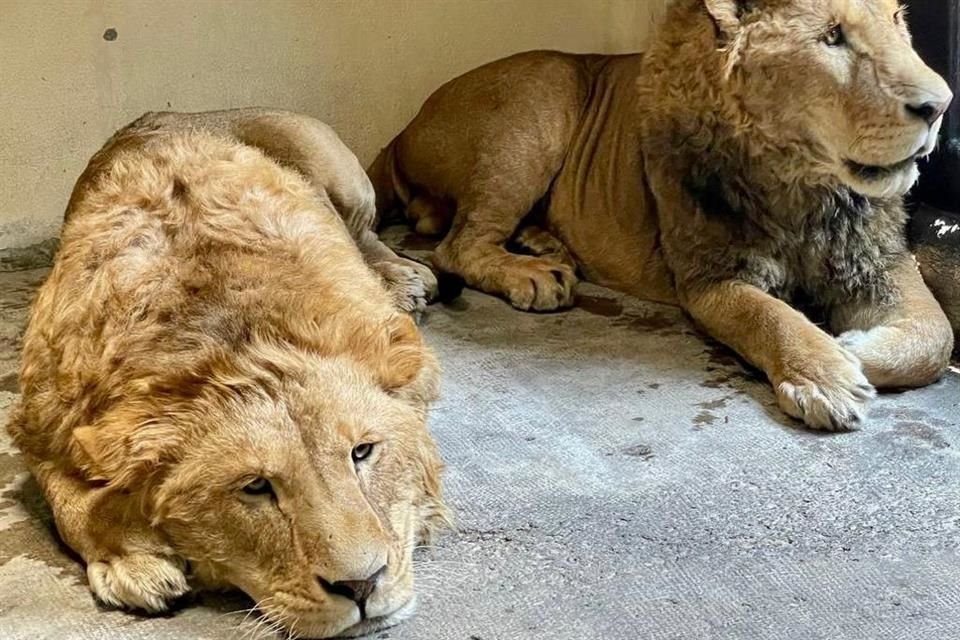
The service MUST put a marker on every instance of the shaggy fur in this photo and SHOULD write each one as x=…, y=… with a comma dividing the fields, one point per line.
x=755, y=157
x=209, y=320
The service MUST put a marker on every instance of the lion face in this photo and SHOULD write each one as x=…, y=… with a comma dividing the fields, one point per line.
x=310, y=499
x=843, y=75
x=309, y=493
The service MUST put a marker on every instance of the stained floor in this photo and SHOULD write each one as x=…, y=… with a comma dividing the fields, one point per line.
x=615, y=477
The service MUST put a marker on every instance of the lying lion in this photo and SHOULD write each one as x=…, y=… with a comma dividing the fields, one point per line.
x=214, y=380
x=754, y=156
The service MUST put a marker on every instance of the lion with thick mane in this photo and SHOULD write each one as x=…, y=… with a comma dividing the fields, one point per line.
x=753, y=158
x=219, y=385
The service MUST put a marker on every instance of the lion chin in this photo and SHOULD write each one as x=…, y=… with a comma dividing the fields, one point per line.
x=372, y=625
x=876, y=181
x=888, y=180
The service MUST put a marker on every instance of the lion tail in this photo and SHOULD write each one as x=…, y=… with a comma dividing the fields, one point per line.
x=397, y=203
x=393, y=194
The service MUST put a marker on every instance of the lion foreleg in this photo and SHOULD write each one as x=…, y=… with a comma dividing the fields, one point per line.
x=816, y=380
x=129, y=565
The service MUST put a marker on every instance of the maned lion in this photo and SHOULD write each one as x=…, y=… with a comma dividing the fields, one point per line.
x=218, y=391
x=756, y=155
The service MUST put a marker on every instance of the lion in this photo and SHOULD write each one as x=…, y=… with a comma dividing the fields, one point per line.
x=219, y=390
x=752, y=161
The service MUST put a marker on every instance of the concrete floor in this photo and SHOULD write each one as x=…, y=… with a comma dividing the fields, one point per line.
x=615, y=477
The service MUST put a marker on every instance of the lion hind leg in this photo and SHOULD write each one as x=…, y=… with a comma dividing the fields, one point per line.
x=475, y=250
x=431, y=216
x=904, y=345
x=537, y=241
x=316, y=152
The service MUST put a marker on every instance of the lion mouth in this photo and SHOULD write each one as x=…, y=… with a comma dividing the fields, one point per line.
x=876, y=172
x=377, y=623
x=869, y=172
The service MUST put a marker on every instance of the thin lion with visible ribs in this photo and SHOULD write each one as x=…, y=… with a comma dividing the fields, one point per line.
x=755, y=155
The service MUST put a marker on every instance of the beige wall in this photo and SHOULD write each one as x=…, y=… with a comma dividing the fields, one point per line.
x=364, y=66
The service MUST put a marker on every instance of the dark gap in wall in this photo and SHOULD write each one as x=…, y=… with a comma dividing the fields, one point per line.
x=936, y=34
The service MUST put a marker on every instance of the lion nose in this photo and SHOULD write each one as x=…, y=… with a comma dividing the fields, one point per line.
x=357, y=590
x=929, y=111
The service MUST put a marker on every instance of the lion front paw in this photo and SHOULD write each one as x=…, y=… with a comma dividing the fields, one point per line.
x=828, y=394
x=138, y=581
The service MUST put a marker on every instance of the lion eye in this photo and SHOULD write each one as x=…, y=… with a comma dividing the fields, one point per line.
x=258, y=487
x=362, y=452
x=834, y=37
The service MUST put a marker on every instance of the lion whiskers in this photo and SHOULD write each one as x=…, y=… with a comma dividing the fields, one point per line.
x=265, y=624
x=270, y=625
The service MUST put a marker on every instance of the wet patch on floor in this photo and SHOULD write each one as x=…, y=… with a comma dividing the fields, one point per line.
x=641, y=451
x=921, y=432
x=704, y=419
x=707, y=415
x=661, y=323
x=725, y=370
x=599, y=306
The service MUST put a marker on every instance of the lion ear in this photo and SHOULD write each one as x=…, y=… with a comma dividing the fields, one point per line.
x=726, y=14
x=123, y=449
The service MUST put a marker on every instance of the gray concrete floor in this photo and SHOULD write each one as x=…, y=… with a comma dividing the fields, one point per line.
x=615, y=477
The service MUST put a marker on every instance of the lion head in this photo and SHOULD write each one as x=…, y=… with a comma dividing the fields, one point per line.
x=838, y=80
x=300, y=480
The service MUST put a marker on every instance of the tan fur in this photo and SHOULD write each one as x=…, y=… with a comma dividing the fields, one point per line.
x=744, y=163
x=209, y=320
